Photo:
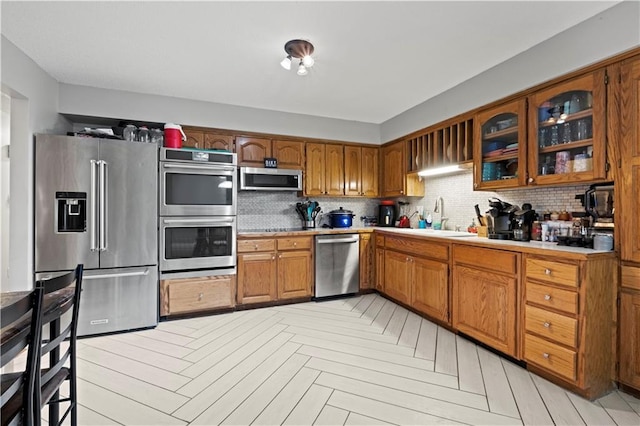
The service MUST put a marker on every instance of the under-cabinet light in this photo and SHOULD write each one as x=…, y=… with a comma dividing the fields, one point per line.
x=440, y=170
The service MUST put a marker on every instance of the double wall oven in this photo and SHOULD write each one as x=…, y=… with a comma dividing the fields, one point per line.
x=198, y=203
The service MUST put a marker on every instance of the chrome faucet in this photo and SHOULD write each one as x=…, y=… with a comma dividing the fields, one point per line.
x=439, y=208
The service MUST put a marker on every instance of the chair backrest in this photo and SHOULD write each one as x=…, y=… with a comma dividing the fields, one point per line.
x=21, y=328
x=56, y=337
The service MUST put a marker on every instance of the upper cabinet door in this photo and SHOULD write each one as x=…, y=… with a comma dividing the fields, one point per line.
x=290, y=154
x=628, y=178
x=352, y=170
x=393, y=170
x=370, y=164
x=567, y=129
x=252, y=151
x=500, y=148
x=314, y=176
x=334, y=169
x=215, y=141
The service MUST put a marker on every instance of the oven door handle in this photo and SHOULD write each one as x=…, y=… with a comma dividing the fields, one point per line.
x=199, y=167
x=192, y=221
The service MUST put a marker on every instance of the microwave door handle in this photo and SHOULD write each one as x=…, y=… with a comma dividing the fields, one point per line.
x=103, y=205
x=199, y=167
x=93, y=216
x=192, y=221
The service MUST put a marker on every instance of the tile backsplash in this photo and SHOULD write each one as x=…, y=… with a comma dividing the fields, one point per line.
x=459, y=198
x=265, y=209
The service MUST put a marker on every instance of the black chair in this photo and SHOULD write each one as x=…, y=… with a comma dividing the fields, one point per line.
x=21, y=328
x=52, y=378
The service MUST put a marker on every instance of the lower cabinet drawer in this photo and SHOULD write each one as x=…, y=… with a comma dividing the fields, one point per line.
x=552, y=326
x=248, y=246
x=191, y=295
x=549, y=356
x=552, y=297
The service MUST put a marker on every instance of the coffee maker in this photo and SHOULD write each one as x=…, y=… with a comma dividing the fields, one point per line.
x=521, y=223
x=387, y=213
x=502, y=214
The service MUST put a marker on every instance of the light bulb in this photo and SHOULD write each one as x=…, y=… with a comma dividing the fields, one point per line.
x=302, y=70
x=286, y=63
x=308, y=61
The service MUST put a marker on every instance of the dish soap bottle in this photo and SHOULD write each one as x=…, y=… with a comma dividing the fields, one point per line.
x=429, y=220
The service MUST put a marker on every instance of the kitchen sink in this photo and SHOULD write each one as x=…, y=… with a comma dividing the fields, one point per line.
x=445, y=233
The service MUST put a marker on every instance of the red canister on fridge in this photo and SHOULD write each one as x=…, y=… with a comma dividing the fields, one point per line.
x=173, y=135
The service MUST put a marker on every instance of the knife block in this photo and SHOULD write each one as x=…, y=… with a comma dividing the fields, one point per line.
x=483, y=231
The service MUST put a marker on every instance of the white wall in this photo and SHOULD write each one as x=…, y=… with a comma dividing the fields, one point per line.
x=607, y=34
x=96, y=102
x=34, y=109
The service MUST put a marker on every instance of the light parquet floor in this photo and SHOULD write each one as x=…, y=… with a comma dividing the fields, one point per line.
x=357, y=361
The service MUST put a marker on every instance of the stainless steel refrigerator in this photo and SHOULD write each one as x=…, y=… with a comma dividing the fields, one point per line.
x=96, y=204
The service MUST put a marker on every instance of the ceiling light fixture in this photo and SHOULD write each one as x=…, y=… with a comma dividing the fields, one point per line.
x=299, y=49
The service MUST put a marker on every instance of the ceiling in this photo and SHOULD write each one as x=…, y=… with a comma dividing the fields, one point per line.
x=374, y=60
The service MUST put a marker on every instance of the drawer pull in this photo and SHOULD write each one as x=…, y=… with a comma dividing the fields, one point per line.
x=273, y=257
x=295, y=244
x=545, y=355
x=547, y=297
x=255, y=247
x=279, y=256
x=200, y=296
x=546, y=324
x=547, y=271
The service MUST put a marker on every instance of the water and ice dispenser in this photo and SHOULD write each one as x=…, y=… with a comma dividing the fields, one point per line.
x=71, y=210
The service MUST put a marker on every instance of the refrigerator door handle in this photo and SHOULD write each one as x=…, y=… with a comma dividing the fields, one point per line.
x=103, y=205
x=93, y=216
x=116, y=275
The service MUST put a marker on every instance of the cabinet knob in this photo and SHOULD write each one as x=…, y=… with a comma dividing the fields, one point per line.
x=200, y=296
x=546, y=324
x=530, y=180
x=545, y=355
x=402, y=192
x=295, y=244
x=547, y=297
x=273, y=257
x=407, y=259
x=547, y=271
x=475, y=184
x=255, y=247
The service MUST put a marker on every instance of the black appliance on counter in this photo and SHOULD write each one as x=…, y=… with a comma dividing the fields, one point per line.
x=502, y=217
x=387, y=213
x=522, y=222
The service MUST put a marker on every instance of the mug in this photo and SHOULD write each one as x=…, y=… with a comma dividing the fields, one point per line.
x=422, y=224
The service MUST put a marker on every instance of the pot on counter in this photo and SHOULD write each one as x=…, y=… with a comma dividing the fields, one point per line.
x=341, y=218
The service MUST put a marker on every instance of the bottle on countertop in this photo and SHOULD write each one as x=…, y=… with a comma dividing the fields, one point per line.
x=429, y=220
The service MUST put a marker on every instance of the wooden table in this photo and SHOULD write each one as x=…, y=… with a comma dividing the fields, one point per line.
x=54, y=303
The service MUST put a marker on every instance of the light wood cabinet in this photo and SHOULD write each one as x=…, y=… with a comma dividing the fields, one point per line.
x=257, y=277
x=501, y=147
x=484, y=291
x=628, y=179
x=202, y=294
x=629, y=331
x=324, y=173
x=272, y=269
x=361, y=171
x=367, y=267
x=252, y=151
x=567, y=132
x=568, y=316
x=416, y=272
x=394, y=180
x=202, y=138
x=379, y=275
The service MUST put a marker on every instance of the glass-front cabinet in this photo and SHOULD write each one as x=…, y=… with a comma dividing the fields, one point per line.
x=567, y=132
x=500, y=147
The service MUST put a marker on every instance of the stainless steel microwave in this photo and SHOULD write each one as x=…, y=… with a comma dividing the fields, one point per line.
x=252, y=178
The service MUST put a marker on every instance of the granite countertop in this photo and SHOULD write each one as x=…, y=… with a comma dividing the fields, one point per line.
x=534, y=247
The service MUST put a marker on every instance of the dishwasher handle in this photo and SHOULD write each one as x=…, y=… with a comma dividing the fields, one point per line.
x=337, y=240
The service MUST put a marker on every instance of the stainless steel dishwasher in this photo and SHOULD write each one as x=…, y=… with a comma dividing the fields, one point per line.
x=337, y=264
